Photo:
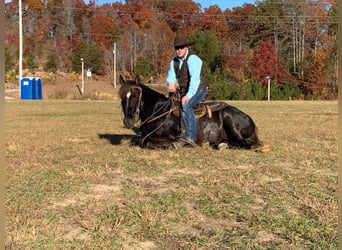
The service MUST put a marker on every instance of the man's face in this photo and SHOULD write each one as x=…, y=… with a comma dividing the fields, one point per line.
x=181, y=50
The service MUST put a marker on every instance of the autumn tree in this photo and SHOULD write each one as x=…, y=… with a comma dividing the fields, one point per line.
x=239, y=22
x=236, y=52
x=294, y=36
x=104, y=31
x=213, y=19
x=182, y=17
x=332, y=58
x=266, y=63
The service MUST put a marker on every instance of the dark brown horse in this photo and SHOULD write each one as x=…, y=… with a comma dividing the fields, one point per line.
x=224, y=126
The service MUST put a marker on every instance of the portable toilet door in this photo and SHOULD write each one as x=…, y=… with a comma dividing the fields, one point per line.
x=38, y=88
x=26, y=88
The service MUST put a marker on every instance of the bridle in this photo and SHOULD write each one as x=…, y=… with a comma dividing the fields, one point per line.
x=138, y=104
x=153, y=116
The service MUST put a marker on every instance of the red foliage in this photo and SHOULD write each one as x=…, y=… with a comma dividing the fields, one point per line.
x=266, y=63
x=213, y=19
x=102, y=30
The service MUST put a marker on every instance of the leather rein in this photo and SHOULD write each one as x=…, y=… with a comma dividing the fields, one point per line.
x=152, y=117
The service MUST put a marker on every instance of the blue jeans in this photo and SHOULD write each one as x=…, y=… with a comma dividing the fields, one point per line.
x=188, y=113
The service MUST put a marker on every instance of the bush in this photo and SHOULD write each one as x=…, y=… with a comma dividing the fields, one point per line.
x=249, y=90
x=73, y=76
x=142, y=68
x=291, y=91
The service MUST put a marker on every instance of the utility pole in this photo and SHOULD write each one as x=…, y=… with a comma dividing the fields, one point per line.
x=82, y=76
x=114, y=64
x=20, y=46
x=268, y=78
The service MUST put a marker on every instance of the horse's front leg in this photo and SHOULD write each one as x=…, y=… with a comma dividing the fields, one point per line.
x=158, y=143
x=136, y=141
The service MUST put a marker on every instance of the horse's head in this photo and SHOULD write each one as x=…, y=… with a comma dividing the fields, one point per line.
x=131, y=99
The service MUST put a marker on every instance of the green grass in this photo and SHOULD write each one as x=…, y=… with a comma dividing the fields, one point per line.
x=73, y=182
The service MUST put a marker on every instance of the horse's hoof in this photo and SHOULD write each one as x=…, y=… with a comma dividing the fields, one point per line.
x=134, y=143
x=178, y=144
x=222, y=146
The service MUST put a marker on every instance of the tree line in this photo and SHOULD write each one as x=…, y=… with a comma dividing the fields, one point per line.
x=292, y=42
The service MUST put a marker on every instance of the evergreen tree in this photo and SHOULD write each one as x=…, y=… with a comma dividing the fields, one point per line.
x=91, y=55
x=30, y=62
x=51, y=64
x=208, y=47
x=9, y=64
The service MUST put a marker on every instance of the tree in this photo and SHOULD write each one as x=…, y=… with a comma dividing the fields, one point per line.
x=30, y=62
x=91, y=55
x=9, y=64
x=208, y=47
x=236, y=52
x=213, y=19
x=51, y=64
x=104, y=31
x=266, y=63
x=302, y=34
x=184, y=16
x=239, y=22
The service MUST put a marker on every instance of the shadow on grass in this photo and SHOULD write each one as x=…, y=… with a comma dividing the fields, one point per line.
x=116, y=139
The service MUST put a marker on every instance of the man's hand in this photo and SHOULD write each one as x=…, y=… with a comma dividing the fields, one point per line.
x=185, y=99
x=172, y=87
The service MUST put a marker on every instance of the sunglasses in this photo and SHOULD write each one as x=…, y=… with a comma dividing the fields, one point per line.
x=179, y=47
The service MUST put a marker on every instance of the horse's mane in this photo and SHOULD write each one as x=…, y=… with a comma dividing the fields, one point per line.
x=129, y=83
x=150, y=91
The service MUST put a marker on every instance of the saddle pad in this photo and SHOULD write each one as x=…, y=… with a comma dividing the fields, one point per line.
x=205, y=107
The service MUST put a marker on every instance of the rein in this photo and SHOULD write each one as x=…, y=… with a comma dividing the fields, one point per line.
x=152, y=118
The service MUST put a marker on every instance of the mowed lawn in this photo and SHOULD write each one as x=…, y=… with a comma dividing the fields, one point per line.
x=73, y=182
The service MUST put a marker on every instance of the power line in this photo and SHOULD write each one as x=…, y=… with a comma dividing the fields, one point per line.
x=97, y=9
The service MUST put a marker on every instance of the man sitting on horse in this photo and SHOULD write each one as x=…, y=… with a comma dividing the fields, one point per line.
x=186, y=70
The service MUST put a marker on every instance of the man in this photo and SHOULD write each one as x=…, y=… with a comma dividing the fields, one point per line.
x=186, y=70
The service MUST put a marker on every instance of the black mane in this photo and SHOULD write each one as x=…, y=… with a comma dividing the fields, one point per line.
x=149, y=93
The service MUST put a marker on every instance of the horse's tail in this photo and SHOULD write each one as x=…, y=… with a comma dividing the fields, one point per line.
x=253, y=141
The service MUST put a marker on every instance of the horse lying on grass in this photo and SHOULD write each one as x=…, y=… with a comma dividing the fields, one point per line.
x=221, y=125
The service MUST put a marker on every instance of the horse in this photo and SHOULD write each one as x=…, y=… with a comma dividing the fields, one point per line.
x=222, y=125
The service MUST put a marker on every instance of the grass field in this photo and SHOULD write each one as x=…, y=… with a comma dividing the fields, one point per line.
x=73, y=182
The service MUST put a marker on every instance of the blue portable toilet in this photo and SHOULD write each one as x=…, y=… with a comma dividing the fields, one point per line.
x=26, y=88
x=37, y=88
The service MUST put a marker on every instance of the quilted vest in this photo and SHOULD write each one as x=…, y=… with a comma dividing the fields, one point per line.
x=183, y=75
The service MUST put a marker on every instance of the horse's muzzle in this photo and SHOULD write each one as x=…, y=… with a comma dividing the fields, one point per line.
x=129, y=123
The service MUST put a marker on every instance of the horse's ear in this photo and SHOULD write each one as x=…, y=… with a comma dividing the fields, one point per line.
x=121, y=80
x=137, y=80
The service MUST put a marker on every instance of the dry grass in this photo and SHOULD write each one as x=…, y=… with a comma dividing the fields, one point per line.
x=74, y=183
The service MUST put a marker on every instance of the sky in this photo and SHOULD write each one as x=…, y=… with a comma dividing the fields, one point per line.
x=224, y=4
